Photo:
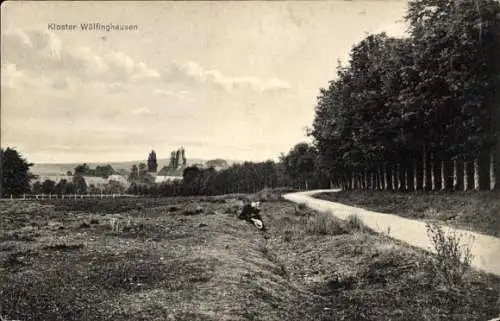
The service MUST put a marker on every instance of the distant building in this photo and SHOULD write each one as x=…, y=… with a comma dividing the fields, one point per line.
x=120, y=179
x=97, y=182
x=167, y=179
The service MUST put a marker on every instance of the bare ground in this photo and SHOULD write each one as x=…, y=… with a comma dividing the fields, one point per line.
x=191, y=259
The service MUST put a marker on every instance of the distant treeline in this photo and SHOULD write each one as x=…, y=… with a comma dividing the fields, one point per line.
x=297, y=169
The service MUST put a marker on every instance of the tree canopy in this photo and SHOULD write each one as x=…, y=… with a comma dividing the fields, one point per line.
x=430, y=94
x=15, y=173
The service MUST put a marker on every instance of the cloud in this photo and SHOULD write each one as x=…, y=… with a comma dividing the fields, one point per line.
x=181, y=95
x=142, y=111
x=192, y=73
x=44, y=55
x=43, y=52
x=11, y=76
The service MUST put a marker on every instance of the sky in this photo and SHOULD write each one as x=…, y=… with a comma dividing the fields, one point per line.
x=233, y=80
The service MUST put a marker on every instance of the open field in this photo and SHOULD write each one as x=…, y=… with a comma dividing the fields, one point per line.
x=475, y=211
x=191, y=259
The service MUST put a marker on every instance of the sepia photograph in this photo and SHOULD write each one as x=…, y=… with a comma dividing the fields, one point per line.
x=250, y=160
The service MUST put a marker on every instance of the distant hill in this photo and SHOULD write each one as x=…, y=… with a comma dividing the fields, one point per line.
x=63, y=168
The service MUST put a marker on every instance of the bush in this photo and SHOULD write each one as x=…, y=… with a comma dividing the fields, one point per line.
x=302, y=206
x=354, y=223
x=453, y=258
x=324, y=223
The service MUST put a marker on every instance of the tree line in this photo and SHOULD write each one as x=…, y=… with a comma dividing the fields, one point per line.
x=419, y=113
x=296, y=169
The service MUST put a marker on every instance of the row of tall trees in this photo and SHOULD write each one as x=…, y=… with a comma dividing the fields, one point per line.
x=421, y=112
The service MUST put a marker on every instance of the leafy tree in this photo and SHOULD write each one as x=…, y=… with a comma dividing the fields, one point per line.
x=300, y=163
x=134, y=173
x=14, y=173
x=115, y=187
x=82, y=169
x=411, y=103
x=48, y=187
x=60, y=187
x=80, y=184
x=143, y=170
x=152, y=162
x=65, y=187
x=190, y=174
x=36, y=188
x=183, y=156
x=104, y=171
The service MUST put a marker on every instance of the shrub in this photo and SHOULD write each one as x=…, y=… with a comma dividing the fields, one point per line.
x=301, y=206
x=453, y=258
x=324, y=223
x=354, y=223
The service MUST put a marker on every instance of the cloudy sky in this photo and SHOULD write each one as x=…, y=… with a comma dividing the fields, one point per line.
x=235, y=80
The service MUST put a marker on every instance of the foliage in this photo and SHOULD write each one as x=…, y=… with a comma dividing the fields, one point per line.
x=300, y=164
x=152, y=162
x=453, y=257
x=79, y=183
x=48, y=187
x=397, y=98
x=14, y=173
x=134, y=173
x=100, y=171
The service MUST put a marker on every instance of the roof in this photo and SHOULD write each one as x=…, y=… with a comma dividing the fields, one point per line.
x=162, y=179
x=120, y=179
x=92, y=180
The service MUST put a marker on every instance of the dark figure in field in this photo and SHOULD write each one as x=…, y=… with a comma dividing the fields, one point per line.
x=251, y=213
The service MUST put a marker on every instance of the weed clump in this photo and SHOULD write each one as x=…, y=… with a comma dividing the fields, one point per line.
x=325, y=224
x=354, y=223
x=453, y=257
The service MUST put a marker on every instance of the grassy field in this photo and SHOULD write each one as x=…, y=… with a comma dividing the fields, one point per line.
x=192, y=259
x=476, y=211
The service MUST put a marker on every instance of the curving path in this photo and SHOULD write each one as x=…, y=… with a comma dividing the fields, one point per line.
x=485, y=249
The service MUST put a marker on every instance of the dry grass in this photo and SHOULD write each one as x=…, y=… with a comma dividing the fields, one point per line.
x=161, y=264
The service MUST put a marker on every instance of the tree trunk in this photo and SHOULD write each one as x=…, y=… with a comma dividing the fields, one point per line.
x=406, y=178
x=386, y=184
x=433, y=180
x=372, y=185
x=476, y=174
x=443, y=180
x=366, y=179
x=455, y=177
x=466, y=177
x=492, y=172
x=415, y=180
x=424, y=169
x=393, y=177
x=398, y=172
x=381, y=180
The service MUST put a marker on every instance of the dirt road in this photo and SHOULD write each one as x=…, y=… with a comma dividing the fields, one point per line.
x=485, y=249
